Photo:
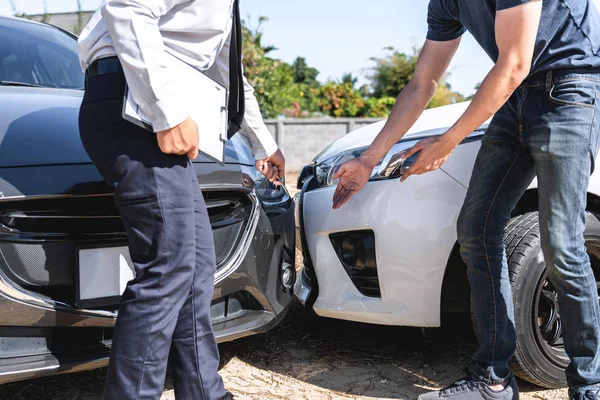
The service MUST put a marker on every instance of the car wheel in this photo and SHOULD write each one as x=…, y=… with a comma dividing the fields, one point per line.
x=540, y=356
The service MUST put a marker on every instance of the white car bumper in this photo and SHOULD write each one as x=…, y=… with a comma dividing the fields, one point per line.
x=414, y=229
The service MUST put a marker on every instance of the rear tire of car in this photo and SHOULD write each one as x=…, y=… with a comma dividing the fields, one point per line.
x=540, y=357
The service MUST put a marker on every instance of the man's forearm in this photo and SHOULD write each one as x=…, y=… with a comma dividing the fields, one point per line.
x=410, y=105
x=495, y=90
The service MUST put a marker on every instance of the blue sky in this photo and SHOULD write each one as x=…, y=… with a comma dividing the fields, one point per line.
x=335, y=36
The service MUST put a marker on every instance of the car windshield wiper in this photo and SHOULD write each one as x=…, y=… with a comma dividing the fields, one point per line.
x=11, y=83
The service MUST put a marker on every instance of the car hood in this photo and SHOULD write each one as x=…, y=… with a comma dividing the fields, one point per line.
x=39, y=126
x=432, y=122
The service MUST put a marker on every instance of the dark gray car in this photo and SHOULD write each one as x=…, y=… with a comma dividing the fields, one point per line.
x=54, y=205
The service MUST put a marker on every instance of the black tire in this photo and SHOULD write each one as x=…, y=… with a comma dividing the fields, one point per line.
x=540, y=357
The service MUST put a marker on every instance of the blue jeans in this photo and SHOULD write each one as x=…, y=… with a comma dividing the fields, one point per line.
x=549, y=129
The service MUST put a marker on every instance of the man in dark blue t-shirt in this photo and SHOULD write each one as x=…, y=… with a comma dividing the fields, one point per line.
x=543, y=95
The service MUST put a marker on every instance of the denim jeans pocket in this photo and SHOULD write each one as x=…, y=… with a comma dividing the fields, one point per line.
x=574, y=92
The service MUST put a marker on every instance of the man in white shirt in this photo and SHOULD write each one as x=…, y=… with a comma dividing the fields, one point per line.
x=166, y=308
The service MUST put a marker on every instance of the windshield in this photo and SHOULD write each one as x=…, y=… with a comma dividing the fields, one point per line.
x=38, y=55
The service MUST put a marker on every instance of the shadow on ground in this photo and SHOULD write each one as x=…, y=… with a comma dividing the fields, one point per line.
x=363, y=361
x=307, y=357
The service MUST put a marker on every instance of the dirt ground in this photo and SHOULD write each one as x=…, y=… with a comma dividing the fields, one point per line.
x=308, y=357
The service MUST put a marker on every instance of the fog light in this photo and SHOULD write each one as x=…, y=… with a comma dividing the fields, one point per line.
x=349, y=253
x=287, y=275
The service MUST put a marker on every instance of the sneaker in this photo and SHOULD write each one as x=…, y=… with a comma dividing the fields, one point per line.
x=589, y=395
x=468, y=389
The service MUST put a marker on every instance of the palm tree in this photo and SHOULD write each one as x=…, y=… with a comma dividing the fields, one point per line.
x=348, y=78
x=257, y=34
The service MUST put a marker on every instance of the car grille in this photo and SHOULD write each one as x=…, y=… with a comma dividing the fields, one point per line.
x=55, y=217
x=39, y=237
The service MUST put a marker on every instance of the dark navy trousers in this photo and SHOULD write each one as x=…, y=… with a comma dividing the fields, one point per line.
x=164, y=312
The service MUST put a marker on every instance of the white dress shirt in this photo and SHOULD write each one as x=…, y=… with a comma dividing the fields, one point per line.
x=198, y=32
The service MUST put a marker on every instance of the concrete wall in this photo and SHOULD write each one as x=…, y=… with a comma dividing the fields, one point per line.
x=302, y=139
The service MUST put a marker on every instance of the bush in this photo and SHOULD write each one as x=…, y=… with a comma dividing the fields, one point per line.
x=377, y=108
x=339, y=100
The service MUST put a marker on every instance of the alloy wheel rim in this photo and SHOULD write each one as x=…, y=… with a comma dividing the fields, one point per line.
x=547, y=324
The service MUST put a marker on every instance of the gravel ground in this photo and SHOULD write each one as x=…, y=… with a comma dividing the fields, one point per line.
x=308, y=357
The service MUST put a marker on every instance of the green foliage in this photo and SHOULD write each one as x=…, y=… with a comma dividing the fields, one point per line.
x=340, y=100
x=294, y=91
x=392, y=73
x=343, y=100
x=278, y=86
x=304, y=74
x=378, y=107
x=350, y=79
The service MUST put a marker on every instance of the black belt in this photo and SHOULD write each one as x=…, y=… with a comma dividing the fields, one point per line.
x=102, y=66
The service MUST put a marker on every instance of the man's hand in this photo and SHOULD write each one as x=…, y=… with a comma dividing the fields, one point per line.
x=272, y=167
x=434, y=153
x=182, y=139
x=353, y=176
x=433, y=62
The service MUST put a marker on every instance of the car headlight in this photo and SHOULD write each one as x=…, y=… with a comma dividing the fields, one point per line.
x=267, y=191
x=393, y=165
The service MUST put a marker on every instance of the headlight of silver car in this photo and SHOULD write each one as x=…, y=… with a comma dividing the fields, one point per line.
x=393, y=165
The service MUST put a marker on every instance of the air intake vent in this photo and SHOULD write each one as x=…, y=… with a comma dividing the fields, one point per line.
x=356, y=251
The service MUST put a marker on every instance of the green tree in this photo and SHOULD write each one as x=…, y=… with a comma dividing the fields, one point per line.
x=391, y=74
x=304, y=74
x=272, y=79
x=350, y=79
